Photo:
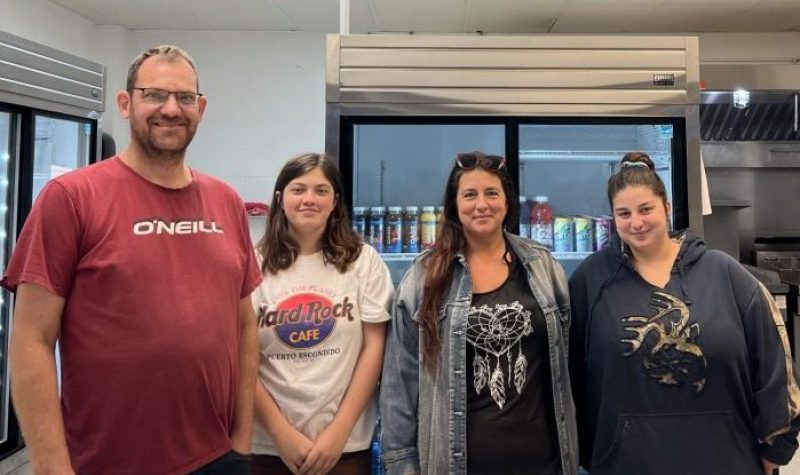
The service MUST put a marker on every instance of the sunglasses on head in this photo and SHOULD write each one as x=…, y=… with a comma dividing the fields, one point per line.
x=472, y=160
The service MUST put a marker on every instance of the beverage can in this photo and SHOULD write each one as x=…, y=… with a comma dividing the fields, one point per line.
x=428, y=227
x=375, y=229
x=411, y=230
x=360, y=222
x=602, y=232
x=584, y=234
x=563, y=234
x=393, y=231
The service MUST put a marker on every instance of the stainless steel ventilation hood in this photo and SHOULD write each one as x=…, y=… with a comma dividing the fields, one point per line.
x=772, y=114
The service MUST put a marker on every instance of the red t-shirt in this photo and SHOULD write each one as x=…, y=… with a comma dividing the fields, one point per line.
x=149, y=343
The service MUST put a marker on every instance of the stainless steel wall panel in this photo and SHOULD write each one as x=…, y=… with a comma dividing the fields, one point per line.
x=512, y=96
x=38, y=63
x=580, y=59
x=693, y=69
x=530, y=110
x=539, y=79
x=332, y=80
x=694, y=165
x=513, y=41
x=30, y=71
x=26, y=94
x=38, y=79
x=752, y=155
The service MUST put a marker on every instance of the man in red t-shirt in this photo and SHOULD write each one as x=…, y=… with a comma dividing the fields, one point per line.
x=142, y=269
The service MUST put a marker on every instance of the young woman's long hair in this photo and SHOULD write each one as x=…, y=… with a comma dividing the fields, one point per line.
x=439, y=264
x=340, y=245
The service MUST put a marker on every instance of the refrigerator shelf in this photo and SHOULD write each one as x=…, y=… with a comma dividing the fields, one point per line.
x=660, y=158
x=401, y=257
x=398, y=257
x=571, y=256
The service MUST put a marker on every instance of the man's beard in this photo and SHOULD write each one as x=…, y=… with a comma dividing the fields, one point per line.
x=148, y=143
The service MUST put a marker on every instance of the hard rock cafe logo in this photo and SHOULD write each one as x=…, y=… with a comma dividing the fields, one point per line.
x=304, y=320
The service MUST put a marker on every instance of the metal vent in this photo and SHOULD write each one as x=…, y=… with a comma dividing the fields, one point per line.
x=770, y=117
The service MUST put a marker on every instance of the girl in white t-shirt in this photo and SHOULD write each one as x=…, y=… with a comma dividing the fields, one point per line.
x=322, y=312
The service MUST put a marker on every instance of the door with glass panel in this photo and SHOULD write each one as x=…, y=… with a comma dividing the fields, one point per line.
x=566, y=164
x=61, y=145
x=398, y=173
x=8, y=158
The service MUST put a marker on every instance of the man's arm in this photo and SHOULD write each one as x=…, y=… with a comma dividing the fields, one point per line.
x=37, y=323
x=248, y=368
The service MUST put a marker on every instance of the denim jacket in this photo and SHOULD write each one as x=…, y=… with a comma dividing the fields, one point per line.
x=424, y=428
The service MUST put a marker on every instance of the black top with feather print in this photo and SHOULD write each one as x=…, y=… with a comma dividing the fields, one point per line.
x=510, y=418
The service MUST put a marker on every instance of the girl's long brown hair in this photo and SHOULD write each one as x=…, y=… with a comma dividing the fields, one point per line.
x=439, y=264
x=340, y=245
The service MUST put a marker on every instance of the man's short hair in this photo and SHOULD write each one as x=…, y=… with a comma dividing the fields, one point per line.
x=168, y=52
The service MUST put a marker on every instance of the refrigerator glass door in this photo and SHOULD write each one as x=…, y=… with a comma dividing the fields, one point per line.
x=62, y=145
x=408, y=164
x=7, y=134
x=570, y=164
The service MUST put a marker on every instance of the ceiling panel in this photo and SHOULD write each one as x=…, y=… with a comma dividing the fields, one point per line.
x=448, y=16
x=240, y=14
x=513, y=16
x=421, y=15
x=595, y=19
x=142, y=14
x=325, y=17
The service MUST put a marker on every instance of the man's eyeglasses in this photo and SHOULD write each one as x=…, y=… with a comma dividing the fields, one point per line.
x=472, y=160
x=154, y=95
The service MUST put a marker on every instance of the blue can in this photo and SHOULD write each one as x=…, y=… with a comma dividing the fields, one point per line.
x=393, y=231
x=584, y=234
x=563, y=234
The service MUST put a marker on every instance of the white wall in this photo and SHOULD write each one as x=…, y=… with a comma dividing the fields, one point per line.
x=266, y=101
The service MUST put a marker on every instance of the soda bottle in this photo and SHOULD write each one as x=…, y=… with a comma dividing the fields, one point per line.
x=542, y=222
x=524, y=217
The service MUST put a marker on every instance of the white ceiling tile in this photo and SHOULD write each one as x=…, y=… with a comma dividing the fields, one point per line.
x=448, y=16
x=311, y=15
x=513, y=16
x=600, y=19
x=421, y=15
x=240, y=14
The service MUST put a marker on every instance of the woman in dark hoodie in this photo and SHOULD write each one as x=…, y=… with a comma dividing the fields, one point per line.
x=679, y=358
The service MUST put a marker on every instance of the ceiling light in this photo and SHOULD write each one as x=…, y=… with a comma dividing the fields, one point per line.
x=741, y=98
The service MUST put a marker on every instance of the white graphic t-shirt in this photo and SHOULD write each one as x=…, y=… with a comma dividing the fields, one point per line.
x=310, y=335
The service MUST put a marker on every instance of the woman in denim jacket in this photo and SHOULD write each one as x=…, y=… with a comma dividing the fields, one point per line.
x=475, y=373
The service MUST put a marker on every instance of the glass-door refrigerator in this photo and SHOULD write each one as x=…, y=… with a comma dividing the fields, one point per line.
x=50, y=107
x=396, y=168
x=562, y=109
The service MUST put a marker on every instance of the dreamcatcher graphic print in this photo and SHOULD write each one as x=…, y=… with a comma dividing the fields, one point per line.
x=495, y=332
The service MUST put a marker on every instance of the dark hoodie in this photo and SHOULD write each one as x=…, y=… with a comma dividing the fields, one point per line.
x=694, y=378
